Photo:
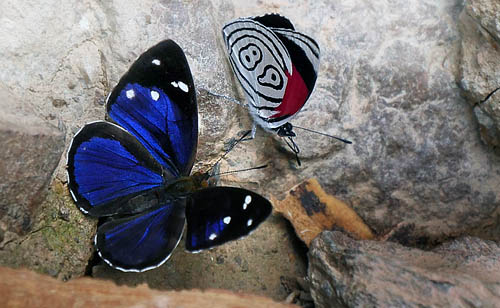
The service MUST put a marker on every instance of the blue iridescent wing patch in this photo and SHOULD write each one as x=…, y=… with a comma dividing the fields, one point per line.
x=156, y=102
x=108, y=167
x=141, y=242
x=218, y=215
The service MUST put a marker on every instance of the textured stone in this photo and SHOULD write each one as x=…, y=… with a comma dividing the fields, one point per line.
x=387, y=81
x=60, y=242
x=22, y=288
x=488, y=117
x=487, y=14
x=40, y=226
x=253, y=264
x=31, y=150
x=479, y=76
x=460, y=273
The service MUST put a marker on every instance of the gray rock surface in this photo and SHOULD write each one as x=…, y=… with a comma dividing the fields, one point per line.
x=64, y=59
x=487, y=14
x=349, y=273
x=479, y=77
x=31, y=150
x=254, y=264
x=40, y=227
x=387, y=81
x=59, y=243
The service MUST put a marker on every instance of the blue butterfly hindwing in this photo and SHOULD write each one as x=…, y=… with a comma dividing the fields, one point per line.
x=144, y=241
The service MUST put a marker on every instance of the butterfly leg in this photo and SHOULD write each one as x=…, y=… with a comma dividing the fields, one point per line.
x=254, y=130
x=249, y=134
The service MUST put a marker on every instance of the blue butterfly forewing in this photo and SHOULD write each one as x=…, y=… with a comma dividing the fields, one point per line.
x=217, y=215
x=108, y=167
x=156, y=102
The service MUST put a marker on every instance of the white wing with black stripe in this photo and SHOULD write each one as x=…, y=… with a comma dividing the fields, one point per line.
x=275, y=65
x=260, y=62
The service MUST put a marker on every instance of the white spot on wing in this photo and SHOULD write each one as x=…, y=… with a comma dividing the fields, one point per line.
x=249, y=222
x=247, y=201
x=212, y=236
x=156, y=62
x=183, y=86
x=227, y=220
x=174, y=84
x=130, y=94
x=155, y=95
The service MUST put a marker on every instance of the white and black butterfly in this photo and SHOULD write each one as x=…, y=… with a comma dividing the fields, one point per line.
x=276, y=66
x=133, y=170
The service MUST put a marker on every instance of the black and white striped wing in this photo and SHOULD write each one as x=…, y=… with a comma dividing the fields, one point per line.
x=261, y=63
x=304, y=46
x=276, y=66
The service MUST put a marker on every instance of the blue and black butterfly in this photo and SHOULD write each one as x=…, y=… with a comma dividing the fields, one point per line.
x=134, y=170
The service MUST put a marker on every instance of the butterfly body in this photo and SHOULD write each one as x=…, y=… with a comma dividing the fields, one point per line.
x=134, y=170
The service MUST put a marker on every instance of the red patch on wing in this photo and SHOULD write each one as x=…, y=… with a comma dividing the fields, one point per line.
x=295, y=97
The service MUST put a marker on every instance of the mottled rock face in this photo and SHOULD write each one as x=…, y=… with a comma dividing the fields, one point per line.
x=31, y=150
x=64, y=60
x=479, y=25
x=346, y=272
x=254, y=264
x=387, y=81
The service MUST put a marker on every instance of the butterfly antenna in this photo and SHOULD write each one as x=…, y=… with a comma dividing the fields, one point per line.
x=294, y=147
x=323, y=134
x=240, y=170
x=230, y=148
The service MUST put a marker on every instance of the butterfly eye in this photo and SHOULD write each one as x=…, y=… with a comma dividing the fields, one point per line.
x=250, y=56
x=271, y=78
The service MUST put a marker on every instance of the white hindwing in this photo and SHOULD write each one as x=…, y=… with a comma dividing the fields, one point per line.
x=260, y=62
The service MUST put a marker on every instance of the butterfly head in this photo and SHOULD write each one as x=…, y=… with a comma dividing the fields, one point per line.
x=286, y=130
x=201, y=180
